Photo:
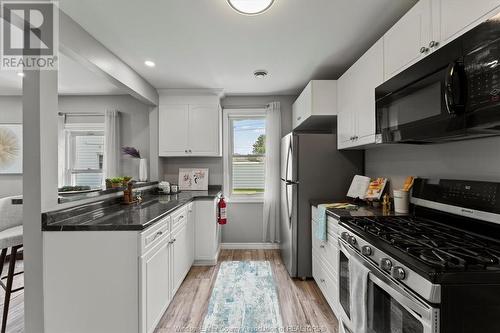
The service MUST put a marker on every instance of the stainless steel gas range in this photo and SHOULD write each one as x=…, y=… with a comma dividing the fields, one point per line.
x=437, y=270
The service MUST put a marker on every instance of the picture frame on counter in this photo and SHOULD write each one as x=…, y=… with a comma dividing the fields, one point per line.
x=193, y=179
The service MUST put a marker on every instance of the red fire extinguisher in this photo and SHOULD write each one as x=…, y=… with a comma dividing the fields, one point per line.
x=222, y=218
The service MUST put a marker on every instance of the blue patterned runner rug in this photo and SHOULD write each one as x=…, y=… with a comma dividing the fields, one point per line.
x=244, y=299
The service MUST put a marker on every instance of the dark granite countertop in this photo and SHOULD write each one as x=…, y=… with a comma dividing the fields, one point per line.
x=65, y=197
x=112, y=215
x=363, y=210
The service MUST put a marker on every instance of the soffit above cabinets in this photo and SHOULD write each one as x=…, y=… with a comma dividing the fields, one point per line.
x=74, y=79
x=205, y=44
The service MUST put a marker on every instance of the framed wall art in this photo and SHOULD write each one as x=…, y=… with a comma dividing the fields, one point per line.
x=11, y=148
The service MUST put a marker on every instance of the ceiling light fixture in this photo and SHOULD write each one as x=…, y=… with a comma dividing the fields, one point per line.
x=250, y=7
x=149, y=63
x=260, y=74
x=21, y=74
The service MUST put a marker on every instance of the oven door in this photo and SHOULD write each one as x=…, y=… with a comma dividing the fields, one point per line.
x=430, y=109
x=390, y=307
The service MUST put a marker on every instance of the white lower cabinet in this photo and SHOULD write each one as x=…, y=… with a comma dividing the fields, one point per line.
x=123, y=281
x=325, y=261
x=156, y=269
x=180, y=255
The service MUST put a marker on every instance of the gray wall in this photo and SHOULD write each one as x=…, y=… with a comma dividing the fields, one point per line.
x=245, y=219
x=11, y=112
x=134, y=127
x=473, y=160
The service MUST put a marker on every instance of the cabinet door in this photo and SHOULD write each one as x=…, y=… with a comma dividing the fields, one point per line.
x=173, y=130
x=204, y=130
x=455, y=17
x=404, y=41
x=157, y=273
x=345, y=118
x=369, y=75
x=180, y=261
x=190, y=233
x=302, y=108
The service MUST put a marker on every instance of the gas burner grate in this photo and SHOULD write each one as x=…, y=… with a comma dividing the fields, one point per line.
x=434, y=244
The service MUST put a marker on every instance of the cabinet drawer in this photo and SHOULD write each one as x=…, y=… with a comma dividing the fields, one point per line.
x=155, y=234
x=332, y=227
x=328, y=251
x=179, y=217
x=326, y=282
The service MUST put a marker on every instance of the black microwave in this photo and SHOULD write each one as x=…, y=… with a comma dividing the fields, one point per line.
x=452, y=94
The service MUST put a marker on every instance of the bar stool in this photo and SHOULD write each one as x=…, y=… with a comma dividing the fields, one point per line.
x=11, y=236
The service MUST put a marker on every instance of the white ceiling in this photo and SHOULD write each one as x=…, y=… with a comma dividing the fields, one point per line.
x=73, y=79
x=205, y=44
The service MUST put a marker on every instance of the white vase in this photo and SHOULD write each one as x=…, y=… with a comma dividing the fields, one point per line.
x=143, y=170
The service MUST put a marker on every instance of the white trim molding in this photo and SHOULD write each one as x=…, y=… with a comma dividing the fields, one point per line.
x=250, y=246
x=228, y=114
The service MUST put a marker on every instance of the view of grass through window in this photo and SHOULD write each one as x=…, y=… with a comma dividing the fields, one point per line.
x=249, y=136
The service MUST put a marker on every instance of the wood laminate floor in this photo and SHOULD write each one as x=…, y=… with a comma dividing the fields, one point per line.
x=302, y=303
x=15, y=320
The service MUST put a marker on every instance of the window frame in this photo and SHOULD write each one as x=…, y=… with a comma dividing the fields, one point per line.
x=228, y=116
x=71, y=131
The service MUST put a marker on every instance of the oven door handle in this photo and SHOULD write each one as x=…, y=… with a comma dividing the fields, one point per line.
x=420, y=310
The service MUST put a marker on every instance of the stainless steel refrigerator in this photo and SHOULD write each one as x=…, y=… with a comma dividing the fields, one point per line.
x=311, y=168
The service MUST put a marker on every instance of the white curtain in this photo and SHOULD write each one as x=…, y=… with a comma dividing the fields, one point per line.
x=61, y=151
x=112, y=146
x=272, y=174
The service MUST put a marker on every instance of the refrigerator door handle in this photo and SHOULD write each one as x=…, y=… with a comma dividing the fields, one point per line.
x=288, y=204
x=289, y=153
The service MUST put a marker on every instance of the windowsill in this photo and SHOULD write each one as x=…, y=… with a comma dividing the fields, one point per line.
x=239, y=200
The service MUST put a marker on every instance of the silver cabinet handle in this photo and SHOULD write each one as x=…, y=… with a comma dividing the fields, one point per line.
x=185, y=151
x=433, y=43
x=423, y=49
x=322, y=246
x=159, y=233
x=298, y=118
x=180, y=217
x=322, y=280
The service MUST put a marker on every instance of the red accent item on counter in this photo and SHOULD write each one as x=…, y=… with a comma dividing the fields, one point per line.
x=222, y=216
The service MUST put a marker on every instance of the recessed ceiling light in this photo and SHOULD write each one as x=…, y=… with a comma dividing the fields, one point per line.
x=250, y=7
x=260, y=74
x=21, y=74
x=149, y=63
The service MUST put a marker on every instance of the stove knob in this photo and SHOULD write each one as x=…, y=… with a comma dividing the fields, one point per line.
x=344, y=236
x=366, y=250
x=386, y=264
x=398, y=273
x=352, y=240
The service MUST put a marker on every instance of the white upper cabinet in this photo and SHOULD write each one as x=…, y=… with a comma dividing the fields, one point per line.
x=356, y=99
x=454, y=17
x=408, y=40
x=173, y=130
x=429, y=25
x=204, y=130
x=319, y=98
x=189, y=126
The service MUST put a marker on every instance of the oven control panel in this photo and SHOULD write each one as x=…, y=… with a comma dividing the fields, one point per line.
x=482, y=196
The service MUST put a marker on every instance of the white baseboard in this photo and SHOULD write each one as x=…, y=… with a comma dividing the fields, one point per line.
x=250, y=246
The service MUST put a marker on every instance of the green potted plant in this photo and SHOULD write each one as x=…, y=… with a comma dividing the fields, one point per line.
x=116, y=182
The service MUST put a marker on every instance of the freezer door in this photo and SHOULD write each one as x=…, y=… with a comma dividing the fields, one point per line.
x=287, y=157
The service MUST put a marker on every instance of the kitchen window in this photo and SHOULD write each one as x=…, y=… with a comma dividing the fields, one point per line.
x=84, y=157
x=245, y=156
